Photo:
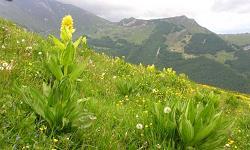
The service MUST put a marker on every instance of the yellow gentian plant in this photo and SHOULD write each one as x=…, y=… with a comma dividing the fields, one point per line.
x=58, y=104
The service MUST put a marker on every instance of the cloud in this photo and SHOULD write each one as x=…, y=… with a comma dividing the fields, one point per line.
x=108, y=10
x=237, y=6
x=118, y=9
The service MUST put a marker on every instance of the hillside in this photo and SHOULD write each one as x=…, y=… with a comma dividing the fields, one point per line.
x=178, y=42
x=238, y=39
x=43, y=16
x=120, y=97
x=196, y=51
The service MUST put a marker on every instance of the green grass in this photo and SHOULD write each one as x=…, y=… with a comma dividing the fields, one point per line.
x=118, y=94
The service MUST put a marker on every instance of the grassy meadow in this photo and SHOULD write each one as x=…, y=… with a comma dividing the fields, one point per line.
x=122, y=106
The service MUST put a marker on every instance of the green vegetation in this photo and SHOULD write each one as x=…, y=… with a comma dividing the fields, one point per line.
x=197, y=126
x=208, y=71
x=206, y=43
x=134, y=35
x=130, y=107
x=237, y=39
x=241, y=64
x=58, y=104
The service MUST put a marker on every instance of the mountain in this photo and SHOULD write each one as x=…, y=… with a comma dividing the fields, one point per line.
x=177, y=42
x=180, y=43
x=43, y=16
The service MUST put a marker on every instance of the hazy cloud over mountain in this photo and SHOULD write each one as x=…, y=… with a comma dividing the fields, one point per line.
x=221, y=16
x=238, y=6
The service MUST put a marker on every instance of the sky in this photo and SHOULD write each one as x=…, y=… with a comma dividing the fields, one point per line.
x=219, y=16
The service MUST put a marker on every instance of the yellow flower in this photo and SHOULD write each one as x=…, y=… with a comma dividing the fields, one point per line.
x=55, y=140
x=151, y=68
x=67, y=28
x=68, y=23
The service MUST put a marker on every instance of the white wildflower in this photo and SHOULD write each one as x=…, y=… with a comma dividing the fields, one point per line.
x=40, y=53
x=9, y=67
x=102, y=76
x=139, y=126
x=17, y=42
x=5, y=64
x=154, y=90
x=79, y=80
x=1, y=68
x=23, y=40
x=92, y=117
x=29, y=48
x=3, y=47
x=90, y=61
x=158, y=146
x=167, y=110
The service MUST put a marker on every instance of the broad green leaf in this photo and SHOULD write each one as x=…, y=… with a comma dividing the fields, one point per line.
x=55, y=95
x=186, y=129
x=68, y=55
x=190, y=111
x=78, y=41
x=77, y=71
x=208, y=112
x=84, y=40
x=46, y=89
x=49, y=116
x=203, y=133
x=35, y=100
x=156, y=110
x=55, y=68
x=57, y=42
x=65, y=88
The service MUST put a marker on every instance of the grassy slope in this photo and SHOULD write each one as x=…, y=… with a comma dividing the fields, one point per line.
x=117, y=114
x=135, y=35
x=238, y=39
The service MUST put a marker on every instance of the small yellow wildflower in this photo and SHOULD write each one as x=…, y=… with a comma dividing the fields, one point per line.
x=55, y=140
x=230, y=141
x=42, y=128
x=151, y=68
